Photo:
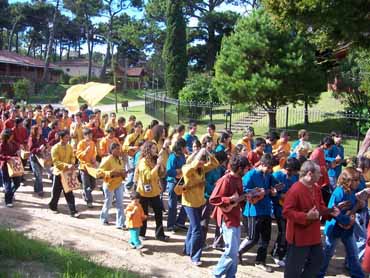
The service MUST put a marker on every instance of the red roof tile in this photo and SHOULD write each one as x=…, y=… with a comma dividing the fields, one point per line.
x=7, y=57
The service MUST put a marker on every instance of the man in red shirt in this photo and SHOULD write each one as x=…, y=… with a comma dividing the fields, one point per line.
x=303, y=207
x=226, y=193
x=254, y=156
x=10, y=123
x=20, y=135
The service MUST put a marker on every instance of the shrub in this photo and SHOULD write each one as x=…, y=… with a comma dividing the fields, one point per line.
x=199, y=88
x=77, y=80
x=23, y=88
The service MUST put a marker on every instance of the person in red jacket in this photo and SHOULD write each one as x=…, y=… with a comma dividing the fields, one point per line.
x=226, y=193
x=20, y=133
x=303, y=207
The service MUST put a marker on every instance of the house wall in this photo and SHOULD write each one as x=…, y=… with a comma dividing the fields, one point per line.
x=76, y=71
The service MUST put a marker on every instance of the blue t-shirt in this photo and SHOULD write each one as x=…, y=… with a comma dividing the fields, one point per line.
x=211, y=178
x=268, y=148
x=256, y=178
x=283, y=178
x=174, y=162
x=332, y=154
x=220, y=148
x=45, y=132
x=331, y=227
x=189, y=139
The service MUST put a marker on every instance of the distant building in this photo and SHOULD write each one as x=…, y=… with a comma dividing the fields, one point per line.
x=14, y=66
x=136, y=77
x=78, y=67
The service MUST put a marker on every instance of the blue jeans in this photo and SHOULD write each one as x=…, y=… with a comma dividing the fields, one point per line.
x=88, y=184
x=10, y=185
x=108, y=195
x=172, y=208
x=130, y=168
x=351, y=253
x=37, y=171
x=228, y=263
x=360, y=232
x=134, y=237
x=194, y=241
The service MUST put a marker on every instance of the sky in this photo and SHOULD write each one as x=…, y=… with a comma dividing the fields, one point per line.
x=139, y=14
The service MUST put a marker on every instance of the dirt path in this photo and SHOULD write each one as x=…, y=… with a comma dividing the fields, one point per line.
x=107, y=245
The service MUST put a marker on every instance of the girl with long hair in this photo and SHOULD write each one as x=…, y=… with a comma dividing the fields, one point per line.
x=36, y=145
x=149, y=188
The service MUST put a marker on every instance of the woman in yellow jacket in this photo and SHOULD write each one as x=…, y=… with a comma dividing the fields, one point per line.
x=112, y=171
x=149, y=188
x=193, y=200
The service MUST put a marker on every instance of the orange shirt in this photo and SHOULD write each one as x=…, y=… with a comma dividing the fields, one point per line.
x=84, y=157
x=148, y=135
x=280, y=147
x=65, y=123
x=135, y=220
x=104, y=144
x=246, y=143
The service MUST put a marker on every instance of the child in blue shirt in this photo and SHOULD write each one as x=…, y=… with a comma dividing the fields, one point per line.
x=259, y=214
x=341, y=227
x=336, y=155
x=287, y=176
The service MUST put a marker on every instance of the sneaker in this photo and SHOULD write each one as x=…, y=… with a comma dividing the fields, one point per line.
x=181, y=227
x=89, y=205
x=280, y=263
x=54, y=211
x=264, y=267
x=10, y=205
x=75, y=214
x=132, y=245
x=105, y=223
x=163, y=238
x=40, y=194
x=140, y=246
x=143, y=238
x=196, y=263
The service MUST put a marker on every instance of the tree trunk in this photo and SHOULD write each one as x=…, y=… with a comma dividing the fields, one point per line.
x=306, y=112
x=68, y=49
x=89, y=35
x=29, y=48
x=45, y=75
x=60, y=50
x=106, y=61
x=11, y=35
x=16, y=42
x=272, y=119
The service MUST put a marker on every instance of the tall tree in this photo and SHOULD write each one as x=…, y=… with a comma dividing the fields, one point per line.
x=262, y=65
x=112, y=8
x=174, y=51
x=45, y=75
x=326, y=22
x=85, y=10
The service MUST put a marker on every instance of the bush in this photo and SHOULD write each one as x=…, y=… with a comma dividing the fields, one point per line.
x=23, y=88
x=64, y=78
x=199, y=88
x=77, y=80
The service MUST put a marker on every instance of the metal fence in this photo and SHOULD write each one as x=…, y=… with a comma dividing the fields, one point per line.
x=235, y=118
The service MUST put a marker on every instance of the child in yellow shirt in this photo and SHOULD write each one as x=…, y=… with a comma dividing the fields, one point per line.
x=134, y=220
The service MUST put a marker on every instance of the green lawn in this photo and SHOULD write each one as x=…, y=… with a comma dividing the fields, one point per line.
x=67, y=263
x=54, y=93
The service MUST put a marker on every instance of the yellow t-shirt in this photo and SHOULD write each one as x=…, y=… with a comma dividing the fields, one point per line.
x=62, y=156
x=107, y=166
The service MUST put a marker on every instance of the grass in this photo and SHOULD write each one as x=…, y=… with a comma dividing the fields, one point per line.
x=70, y=264
x=54, y=93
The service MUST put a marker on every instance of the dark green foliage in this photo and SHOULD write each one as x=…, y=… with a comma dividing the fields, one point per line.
x=174, y=52
x=199, y=88
x=262, y=65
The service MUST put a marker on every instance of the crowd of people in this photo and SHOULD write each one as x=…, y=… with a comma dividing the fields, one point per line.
x=242, y=187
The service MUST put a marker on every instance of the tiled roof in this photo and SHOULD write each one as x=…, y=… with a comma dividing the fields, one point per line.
x=7, y=57
x=133, y=72
x=75, y=63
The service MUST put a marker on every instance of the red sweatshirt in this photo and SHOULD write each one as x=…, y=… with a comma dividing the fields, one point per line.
x=20, y=135
x=7, y=150
x=298, y=201
x=226, y=186
x=318, y=155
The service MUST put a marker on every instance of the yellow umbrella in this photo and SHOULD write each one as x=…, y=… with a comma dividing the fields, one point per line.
x=95, y=92
x=70, y=100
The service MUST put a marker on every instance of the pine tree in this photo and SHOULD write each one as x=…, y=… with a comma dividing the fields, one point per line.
x=174, y=51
